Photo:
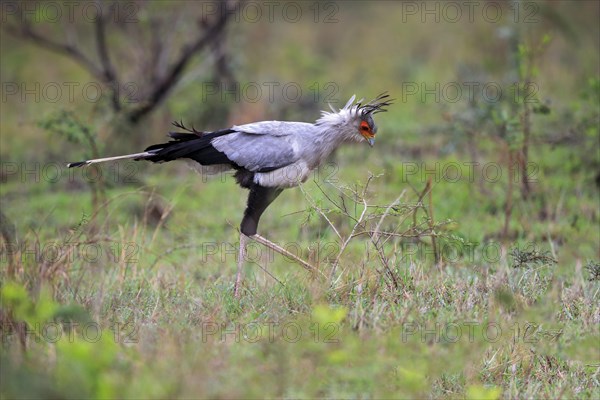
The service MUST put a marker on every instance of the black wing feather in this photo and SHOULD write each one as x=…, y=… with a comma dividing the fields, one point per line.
x=196, y=146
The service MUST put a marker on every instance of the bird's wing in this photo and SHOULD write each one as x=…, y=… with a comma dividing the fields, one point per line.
x=262, y=146
x=272, y=128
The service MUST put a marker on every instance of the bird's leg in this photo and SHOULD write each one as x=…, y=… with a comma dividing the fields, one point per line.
x=241, y=259
x=258, y=200
x=266, y=242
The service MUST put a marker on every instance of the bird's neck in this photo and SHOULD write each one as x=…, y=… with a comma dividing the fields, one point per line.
x=326, y=141
x=337, y=127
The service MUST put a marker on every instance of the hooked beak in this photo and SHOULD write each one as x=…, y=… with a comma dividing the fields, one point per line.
x=369, y=137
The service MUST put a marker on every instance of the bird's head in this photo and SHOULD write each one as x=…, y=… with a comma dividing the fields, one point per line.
x=355, y=120
x=367, y=129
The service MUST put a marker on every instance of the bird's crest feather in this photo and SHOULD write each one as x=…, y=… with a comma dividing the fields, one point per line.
x=354, y=109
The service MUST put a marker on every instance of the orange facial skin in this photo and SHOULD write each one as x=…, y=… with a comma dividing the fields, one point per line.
x=367, y=133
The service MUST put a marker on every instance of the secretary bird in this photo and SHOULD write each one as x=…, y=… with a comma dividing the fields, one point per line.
x=267, y=156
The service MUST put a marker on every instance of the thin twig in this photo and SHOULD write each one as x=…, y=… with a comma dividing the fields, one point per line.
x=436, y=252
x=321, y=212
x=358, y=222
x=386, y=213
x=269, y=273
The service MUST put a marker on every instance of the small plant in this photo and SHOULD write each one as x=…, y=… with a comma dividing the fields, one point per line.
x=525, y=258
x=64, y=124
x=593, y=268
x=387, y=227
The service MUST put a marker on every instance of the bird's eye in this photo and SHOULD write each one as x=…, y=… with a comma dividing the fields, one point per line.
x=364, y=126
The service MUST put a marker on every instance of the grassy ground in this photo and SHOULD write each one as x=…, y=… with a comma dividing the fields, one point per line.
x=439, y=275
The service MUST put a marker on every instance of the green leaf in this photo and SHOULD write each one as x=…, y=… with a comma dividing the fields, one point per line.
x=324, y=314
x=480, y=392
x=541, y=109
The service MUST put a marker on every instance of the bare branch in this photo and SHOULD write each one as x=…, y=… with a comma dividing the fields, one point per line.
x=167, y=82
x=70, y=50
x=359, y=221
x=105, y=72
x=162, y=78
x=108, y=71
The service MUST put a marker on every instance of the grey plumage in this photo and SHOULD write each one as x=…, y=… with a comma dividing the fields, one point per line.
x=258, y=151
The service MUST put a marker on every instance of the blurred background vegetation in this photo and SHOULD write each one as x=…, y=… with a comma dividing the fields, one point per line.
x=492, y=143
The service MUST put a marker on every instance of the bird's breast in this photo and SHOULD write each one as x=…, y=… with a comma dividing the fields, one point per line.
x=286, y=177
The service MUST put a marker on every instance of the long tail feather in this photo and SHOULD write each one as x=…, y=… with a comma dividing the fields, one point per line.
x=136, y=156
x=196, y=146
